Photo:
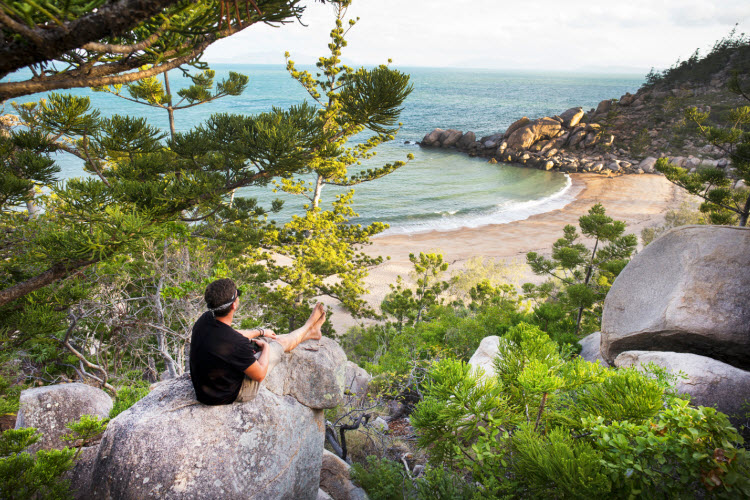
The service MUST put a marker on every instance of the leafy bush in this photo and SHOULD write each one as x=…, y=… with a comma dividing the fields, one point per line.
x=85, y=430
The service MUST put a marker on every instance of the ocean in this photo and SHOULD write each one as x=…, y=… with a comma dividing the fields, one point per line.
x=439, y=189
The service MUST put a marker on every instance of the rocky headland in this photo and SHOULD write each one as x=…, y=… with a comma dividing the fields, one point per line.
x=619, y=136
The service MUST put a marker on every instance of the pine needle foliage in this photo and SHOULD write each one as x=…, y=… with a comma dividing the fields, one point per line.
x=582, y=277
x=76, y=43
x=23, y=476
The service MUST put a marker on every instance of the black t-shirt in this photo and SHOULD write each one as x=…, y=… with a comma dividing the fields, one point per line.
x=218, y=357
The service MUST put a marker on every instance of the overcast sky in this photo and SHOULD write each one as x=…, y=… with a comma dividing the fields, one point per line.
x=568, y=35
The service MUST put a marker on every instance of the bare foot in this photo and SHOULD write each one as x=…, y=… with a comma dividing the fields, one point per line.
x=318, y=311
x=315, y=334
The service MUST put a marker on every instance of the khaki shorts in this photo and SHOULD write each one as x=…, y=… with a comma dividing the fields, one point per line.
x=250, y=387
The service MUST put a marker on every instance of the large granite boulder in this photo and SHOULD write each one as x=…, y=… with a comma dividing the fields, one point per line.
x=648, y=165
x=335, y=479
x=466, y=140
x=52, y=407
x=576, y=136
x=709, y=382
x=590, y=349
x=543, y=128
x=484, y=356
x=521, y=122
x=168, y=445
x=572, y=117
x=627, y=99
x=450, y=137
x=314, y=378
x=688, y=291
x=603, y=107
x=432, y=139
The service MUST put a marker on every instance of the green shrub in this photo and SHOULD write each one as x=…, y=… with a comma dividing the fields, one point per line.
x=548, y=425
x=681, y=451
x=128, y=396
x=23, y=476
x=442, y=484
x=382, y=479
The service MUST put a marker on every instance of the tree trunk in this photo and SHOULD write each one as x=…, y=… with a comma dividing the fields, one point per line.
x=745, y=213
x=318, y=190
x=31, y=205
x=586, y=282
x=170, y=108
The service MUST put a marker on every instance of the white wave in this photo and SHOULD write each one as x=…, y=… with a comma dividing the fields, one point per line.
x=504, y=213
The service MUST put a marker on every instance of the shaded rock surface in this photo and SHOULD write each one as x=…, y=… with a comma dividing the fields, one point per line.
x=357, y=380
x=687, y=291
x=170, y=446
x=591, y=348
x=485, y=355
x=52, y=407
x=709, y=382
x=335, y=479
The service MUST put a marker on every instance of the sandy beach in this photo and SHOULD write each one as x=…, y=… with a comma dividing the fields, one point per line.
x=639, y=200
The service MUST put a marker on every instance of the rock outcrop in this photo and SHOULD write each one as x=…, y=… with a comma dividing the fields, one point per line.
x=51, y=408
x=561, y=143
x=616, y=133
x=314, y=378
x=709, y=382
x=168, y=445
x=485, y=355
x=591, y=350
x=357, y=380
x=686, y=292
x=335, y=479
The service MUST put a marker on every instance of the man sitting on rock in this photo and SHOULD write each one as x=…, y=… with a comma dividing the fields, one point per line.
x=224, y=362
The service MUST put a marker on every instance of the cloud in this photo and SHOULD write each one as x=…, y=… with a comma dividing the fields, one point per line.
x=535, y=34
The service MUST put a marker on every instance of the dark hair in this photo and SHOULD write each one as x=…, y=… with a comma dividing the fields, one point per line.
x=219, y=293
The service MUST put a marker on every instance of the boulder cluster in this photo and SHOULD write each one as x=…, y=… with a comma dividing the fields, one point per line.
x=168, y=445
x=684, y=303
x=561, y=142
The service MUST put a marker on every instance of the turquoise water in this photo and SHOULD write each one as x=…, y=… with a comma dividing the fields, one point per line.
x=439, y=189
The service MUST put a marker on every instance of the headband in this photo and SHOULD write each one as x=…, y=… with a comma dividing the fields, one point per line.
x=224, y=306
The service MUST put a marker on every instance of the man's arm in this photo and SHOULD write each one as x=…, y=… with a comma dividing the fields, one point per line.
x=251, y=334
x=258, y=370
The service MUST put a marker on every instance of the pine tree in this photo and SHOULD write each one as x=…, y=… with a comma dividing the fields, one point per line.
x=584, y=275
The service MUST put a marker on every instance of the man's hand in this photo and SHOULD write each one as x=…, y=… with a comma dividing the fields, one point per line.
x=263, y=345
x=268, y=333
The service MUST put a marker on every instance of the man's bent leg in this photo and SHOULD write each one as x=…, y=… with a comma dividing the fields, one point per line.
x=250, y=387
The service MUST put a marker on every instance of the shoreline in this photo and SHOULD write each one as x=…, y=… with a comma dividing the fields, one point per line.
x=639, y=200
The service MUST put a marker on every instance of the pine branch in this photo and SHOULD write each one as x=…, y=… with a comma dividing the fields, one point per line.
x=49, y=42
